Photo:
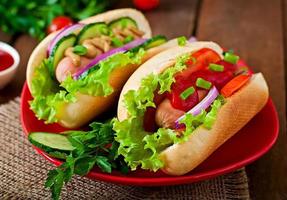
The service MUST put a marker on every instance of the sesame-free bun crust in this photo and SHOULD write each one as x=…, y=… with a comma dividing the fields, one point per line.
x=74, y=115
x=240, y=108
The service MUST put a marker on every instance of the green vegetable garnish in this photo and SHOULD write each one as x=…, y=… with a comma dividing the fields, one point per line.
x=80, y=50
x=128, y=39
x=49, y=97
x=187, y=92
x=117, y=42
x=231, y=58
x=200, y=82
x=216, y=67
x=181, y=41
x=90, y=150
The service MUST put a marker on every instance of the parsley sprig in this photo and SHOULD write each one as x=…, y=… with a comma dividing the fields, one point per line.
x=33, y=16
x=91, y=149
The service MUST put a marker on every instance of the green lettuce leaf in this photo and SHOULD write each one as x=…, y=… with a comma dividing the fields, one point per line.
x=141, y=148
x=138, y=147
x=49, y=96
x=96, y=83
x=136, y=102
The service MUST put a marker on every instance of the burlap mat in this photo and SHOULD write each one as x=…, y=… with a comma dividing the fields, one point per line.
x=22, y=174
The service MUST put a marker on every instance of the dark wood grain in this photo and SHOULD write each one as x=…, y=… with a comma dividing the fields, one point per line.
x=167, y=19
x=254, y=30
x=170, y=18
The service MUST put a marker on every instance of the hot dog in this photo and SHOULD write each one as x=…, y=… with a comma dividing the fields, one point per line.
x=75, y=74
x=207, y=96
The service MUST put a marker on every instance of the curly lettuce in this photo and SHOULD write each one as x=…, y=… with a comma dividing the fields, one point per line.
x=141, y=148
x=49, y=96
x=96, y=83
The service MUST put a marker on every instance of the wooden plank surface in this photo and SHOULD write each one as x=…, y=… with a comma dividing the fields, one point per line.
x=170, y=19
x=254, y=30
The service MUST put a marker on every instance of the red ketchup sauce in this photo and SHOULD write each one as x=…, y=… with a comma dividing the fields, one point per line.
x=197, y=67
x=6, y=60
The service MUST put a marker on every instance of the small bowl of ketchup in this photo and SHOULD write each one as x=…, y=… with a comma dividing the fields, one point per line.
x=9, y=61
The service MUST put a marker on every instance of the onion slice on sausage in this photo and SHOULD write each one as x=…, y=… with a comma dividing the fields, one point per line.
x=204, y=104
x=103, y=56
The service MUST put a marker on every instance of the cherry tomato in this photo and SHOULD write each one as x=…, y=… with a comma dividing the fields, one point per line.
x=206, y=56
x=146, y=4
x=58, y=23
x=197, y=67
x=202, y=59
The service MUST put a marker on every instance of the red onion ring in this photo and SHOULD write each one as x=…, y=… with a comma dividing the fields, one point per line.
x=103, y=56
x=65, y=31
x=204, y=104
x=192, y=39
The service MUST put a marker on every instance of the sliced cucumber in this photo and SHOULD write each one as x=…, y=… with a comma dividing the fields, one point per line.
x=150, y=43
x=122, y=23
x=155, y=41
x=93, y=30
x=59, y=50
x=56, y=145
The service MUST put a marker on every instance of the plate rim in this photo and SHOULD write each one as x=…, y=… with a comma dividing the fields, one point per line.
x=160, y=181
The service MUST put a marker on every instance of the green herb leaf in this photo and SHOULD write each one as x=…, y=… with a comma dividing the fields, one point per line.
x=181, y=41
x=84, y=164
x=117, y=42
x=128, y=39
x=104, y=164
x=90, y=150
x=80, y=50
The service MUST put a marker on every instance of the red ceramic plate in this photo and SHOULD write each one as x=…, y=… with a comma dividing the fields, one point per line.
x=251, y=142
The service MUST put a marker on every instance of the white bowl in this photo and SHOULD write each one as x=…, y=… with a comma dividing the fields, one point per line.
x=7, y=75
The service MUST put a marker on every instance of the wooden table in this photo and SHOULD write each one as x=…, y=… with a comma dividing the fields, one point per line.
x=254, y=29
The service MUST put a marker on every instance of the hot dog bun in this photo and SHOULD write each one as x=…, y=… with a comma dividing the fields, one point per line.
x=158, y=64
x=232, y=116
x=73, y=115
x=40, y=52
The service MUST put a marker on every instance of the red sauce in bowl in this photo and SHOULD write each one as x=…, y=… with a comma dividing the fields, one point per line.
x=6, y=60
